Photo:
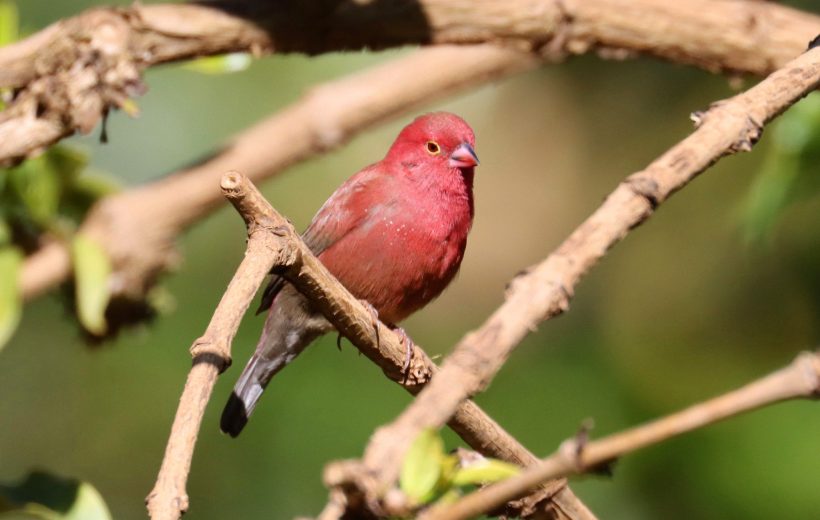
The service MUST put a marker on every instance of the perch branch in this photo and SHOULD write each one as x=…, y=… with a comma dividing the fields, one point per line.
x=544, y=291
x=801, y=379
x=274, y=242
x=68, y=76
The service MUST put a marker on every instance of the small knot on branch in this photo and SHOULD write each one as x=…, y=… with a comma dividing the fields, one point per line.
x=160, y=505
x=575, y=446
x=232, y=184
x=809, y=362
x=645, y=187
x=699, y=117
x=572, y=450
x=752, y=131
x=217, y=353
x=255, y=210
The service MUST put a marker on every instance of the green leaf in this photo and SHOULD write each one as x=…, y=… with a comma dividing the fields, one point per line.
x=485, y=472
x=5, y=233
x=68, y=162
x=35, y=190
x=11, y=303
x=9, y=29
x=449, y=466
x=788, y=171
x=224, y=64
x=769, y=195
x=83, y=192
x=422, y=467
x=9, y=22
x=94, y=186
x=451, y=496
x=37, y=185
x=44, y=496
x=92, y=269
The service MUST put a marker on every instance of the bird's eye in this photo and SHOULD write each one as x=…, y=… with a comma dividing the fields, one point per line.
x=433, y=148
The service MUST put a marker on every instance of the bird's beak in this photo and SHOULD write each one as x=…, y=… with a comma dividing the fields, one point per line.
x=463, y=157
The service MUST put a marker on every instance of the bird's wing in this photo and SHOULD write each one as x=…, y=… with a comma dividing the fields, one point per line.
x=343, y=212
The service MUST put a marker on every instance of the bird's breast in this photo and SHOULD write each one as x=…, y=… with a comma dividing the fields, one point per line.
x=403, y=255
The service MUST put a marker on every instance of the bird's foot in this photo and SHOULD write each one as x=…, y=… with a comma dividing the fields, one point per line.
x=408, y=347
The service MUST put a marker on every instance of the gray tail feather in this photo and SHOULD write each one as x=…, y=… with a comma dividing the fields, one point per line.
x=245, y=394
x=256, y=376
x=289, y=328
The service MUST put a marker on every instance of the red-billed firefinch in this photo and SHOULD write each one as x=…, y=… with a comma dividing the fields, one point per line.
x=394, y=234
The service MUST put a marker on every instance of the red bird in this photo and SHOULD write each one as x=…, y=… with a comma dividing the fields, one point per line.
x=393, y=234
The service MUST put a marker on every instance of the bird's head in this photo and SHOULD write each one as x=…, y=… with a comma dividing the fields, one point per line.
x=439, y=139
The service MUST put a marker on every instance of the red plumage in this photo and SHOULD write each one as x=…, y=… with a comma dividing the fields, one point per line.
x=394, y=234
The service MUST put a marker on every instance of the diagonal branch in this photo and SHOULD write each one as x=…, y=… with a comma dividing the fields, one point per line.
x=801, y=379
x=544, y=291
x=273, y=242
x=70, y=75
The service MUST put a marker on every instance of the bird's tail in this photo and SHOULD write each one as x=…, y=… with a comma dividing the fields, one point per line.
x=288, y=330
x=245, y=395
x=248, y=389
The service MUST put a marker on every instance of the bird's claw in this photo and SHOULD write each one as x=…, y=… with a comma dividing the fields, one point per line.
x=374, y=318
x=408, y=348
x=403, y=337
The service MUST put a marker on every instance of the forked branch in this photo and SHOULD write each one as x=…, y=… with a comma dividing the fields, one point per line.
x=272, y=242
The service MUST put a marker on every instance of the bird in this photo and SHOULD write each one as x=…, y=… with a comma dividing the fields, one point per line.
x=394, y=234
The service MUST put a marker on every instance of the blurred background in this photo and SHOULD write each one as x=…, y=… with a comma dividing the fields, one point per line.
x=721, y=286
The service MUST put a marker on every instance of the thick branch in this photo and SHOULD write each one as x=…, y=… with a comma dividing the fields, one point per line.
x=71, y=74
x=801, y=379
x=544, y=291
x=274, y=242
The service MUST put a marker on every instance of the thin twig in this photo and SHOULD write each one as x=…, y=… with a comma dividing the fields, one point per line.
x=544, y=291
x=801, y=379
x=212, y=352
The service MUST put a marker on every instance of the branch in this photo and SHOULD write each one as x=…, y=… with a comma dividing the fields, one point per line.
x=138, y=227
x=544, y=291
x=70, y=75
x=274, y=242
x=212, y=352
x=801, y=379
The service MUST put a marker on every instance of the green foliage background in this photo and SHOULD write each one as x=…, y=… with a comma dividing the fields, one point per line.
x=691, y=304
